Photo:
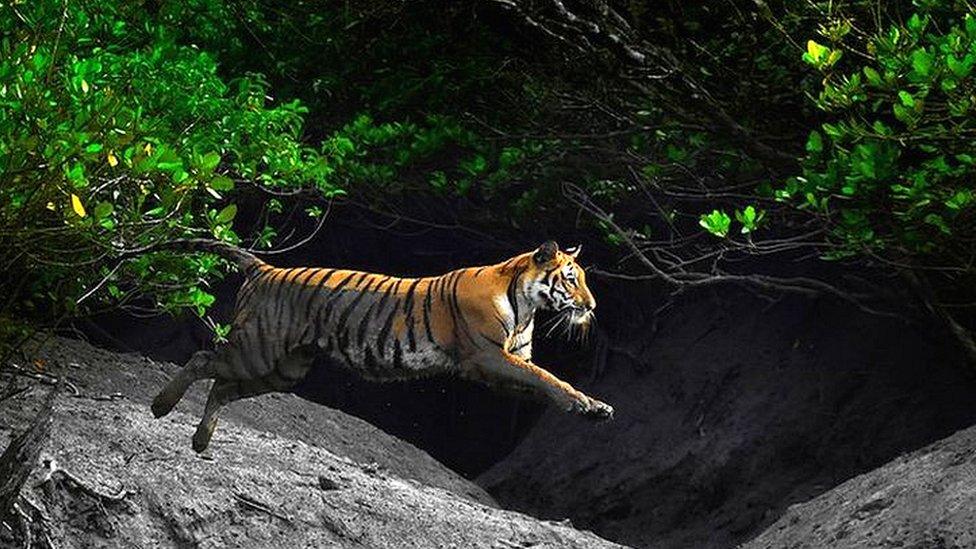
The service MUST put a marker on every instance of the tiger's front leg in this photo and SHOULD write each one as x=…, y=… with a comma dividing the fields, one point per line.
x=507, y=369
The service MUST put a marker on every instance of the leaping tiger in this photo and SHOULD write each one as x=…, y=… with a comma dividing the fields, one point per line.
x=475, y=322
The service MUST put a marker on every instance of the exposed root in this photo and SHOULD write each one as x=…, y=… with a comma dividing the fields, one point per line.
x=55, y=475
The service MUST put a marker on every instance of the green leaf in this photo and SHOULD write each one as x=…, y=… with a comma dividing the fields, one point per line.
x=227, y=214
x=960, y=199
x=814, y=142
x=904, y=115
x=880, y=128
x=906, y=99
x=915, y=23
x=872, y=75
x=717, y=223
x=922, y=61
x=936, y=220
x=960, y=68
x=103, y=209
x=76, y=175
x=222, y=183
x=210, y=161
x=833, y=57
x=750, y=218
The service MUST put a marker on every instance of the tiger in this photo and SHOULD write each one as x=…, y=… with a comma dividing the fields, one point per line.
x=476, y=323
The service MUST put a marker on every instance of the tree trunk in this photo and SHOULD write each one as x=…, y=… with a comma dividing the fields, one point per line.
x=20, y=457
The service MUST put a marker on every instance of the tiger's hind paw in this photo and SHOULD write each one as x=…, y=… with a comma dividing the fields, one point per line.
x=162, y=405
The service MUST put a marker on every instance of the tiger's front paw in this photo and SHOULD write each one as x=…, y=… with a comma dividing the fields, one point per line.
x=594, y=409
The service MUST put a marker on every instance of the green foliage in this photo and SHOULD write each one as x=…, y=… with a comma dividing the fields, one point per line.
x=894, y=172
x=718, y=223
x=115, y=132
x=124, y=124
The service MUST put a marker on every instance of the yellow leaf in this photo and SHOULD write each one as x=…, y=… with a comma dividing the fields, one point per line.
x=112, y=161
x=51, y=206
x=815, y=50
x=76, y=206
x=148, y=148
x=84, y=86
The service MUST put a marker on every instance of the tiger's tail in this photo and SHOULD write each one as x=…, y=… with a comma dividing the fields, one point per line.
x=248, y=263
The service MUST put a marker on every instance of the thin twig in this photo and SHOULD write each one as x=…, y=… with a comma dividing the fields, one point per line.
x=250, y=502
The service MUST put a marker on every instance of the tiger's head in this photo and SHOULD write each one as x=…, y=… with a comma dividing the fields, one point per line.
x=557, y=283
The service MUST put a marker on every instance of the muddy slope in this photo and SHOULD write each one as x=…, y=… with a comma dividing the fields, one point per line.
x=282, y=472
x=923, y=499
x=732, y=410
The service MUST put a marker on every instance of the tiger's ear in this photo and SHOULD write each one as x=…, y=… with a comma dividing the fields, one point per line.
x=545, y=253
x=574, y=251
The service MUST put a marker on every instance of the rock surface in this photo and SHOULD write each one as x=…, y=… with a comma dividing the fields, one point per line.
x=920, y=500
x=282, y=472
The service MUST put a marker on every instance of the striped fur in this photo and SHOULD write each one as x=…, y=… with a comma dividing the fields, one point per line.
x=475, y=322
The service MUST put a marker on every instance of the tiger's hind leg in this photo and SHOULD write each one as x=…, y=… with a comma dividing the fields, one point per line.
x=221, y=392
x=286, y=375
x=200, y=366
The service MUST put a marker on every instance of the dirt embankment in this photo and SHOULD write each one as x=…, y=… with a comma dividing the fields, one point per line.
x=281, y=472
x=925, y=499
x=733, y=410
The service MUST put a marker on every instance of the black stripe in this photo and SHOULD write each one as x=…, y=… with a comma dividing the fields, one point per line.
x=320, y=296
x=264, y=346
x=444, y=281
x=316, y=306
x=490, y=340
x=244, y=295
x=295, y=291
x=521, y=346
x=513, y=296
x=342, y=342
x=362, y=277
x=458, y=313
x=502, y=323
x=278, y=285
x=304, y=281
x=369, y=361
x=325, y=278
x=397, y=355
x=386, y=295
x=250, y=286
x=344, y=317
x=385, y=330
x=331, y=299
x=427, y=302
x=451, y=309
x=408, y=310
x=377, y=306
x=298, y=273
x=278, y=299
